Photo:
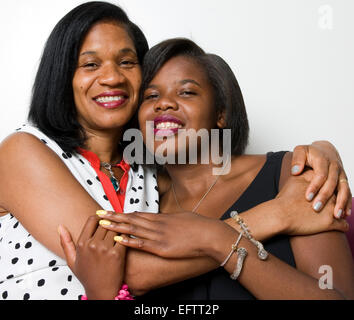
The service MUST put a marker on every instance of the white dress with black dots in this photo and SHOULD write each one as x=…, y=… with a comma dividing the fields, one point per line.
x=28, y=270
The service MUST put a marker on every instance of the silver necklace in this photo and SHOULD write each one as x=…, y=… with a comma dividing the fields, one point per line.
x=113, y=179
x=205, y=194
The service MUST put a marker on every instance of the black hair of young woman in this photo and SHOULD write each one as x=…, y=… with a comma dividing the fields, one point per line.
x=52, y=107
x=227, y=92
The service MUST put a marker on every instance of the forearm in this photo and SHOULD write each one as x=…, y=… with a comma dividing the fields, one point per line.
x=146, y=272
x=271, y=279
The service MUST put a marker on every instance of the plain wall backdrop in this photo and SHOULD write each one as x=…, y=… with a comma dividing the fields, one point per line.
x=294, y=60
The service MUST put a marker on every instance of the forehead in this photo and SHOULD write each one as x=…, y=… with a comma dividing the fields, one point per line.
x=180, y=68
x=105, y=35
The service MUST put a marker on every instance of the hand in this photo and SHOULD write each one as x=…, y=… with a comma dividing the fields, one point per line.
x=329, y=178
x=97, y=260
x=177, y=235
x=296, y=214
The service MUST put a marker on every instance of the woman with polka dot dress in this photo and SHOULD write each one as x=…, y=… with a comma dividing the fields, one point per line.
x=67, y=162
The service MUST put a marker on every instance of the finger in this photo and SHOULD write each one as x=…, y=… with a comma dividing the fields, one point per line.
x=298, y=161
x=138, y=218
x=349, y=207
x=328, y=189
x=100, y=232
x=138, y=243
x=109, y=238
x=132, y=229
x=88, y=229
x=320, y=168
x=344, y=198
x=68, y=246
x=340, y=225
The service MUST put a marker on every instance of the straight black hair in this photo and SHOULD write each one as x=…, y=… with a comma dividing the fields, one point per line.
x=52, y=107
x=228, y=97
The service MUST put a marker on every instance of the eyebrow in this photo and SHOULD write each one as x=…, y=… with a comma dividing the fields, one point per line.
x=153, y=86
x=124, y=50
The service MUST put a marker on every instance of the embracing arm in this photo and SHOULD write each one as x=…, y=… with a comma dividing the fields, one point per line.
x=39, y=190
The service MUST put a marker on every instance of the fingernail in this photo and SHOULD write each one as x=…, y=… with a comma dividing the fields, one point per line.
x=310, y=196
x=339, y=214
x=295, y=169
x=105, y=223
x=349, y=212
x=318, y=206
x=101, y=213
x=59, y=230
x=119, y=239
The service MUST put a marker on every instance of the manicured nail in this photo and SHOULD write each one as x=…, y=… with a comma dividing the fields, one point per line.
x=101, y=213
x=118, y=239
x=105, y=223
x=349, y=212
x=295, y=169
x=59, y=229
x=310, y=196
x=339, y=214
x=318, y=206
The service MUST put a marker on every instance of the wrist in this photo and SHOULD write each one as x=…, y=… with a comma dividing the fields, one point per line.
x=277, y=211
x=222, y=238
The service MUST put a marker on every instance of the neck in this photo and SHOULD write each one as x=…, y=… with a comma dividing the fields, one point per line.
x=105, y=145
x=192, y=178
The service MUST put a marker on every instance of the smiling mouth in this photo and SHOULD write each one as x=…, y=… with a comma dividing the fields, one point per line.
x=167, y=125
x=111, y=100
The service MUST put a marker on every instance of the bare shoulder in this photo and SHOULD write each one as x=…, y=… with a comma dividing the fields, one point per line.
x=247, y=165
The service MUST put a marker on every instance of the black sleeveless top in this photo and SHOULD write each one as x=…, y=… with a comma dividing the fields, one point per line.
x=217, y=285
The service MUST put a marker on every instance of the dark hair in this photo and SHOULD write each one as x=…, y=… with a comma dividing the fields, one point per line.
x=227, y=93
x=52, y=107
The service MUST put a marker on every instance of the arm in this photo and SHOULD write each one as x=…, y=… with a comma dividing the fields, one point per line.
x=183, y=235
x=40, y=191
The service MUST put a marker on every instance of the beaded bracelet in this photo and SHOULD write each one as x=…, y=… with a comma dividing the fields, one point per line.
x=262, y=253
x=123, y=294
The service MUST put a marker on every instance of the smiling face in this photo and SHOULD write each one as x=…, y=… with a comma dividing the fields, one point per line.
x=107, y=79
x=178, y=97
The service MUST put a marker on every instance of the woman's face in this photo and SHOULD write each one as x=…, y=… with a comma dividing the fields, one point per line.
x=107, y=79
x=179, y=97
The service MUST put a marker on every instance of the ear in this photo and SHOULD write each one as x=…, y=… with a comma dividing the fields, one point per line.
x=221, y=123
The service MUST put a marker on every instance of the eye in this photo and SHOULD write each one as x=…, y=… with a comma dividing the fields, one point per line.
x=90, y=65
x=187, y=93
x=151, y=96
x=128, y=63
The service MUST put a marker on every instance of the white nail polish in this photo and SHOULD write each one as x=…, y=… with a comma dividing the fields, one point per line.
x=318, y=206
x=295, y=169
x=339, y=214
x=310, y=196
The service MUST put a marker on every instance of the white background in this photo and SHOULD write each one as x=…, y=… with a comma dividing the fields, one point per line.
x=294, y=60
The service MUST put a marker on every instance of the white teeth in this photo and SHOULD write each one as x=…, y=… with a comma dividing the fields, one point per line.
x=168, y=125
x=109, y=99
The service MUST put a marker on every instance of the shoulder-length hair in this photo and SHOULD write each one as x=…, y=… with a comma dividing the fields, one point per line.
x=228, y=97
x=52, y=107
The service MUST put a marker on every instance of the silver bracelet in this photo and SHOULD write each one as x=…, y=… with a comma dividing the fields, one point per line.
x=241, y=256
x=233, y=249
x=262, y=253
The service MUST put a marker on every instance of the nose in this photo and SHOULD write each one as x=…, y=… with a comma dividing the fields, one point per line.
x=166, y=103
x=111, y=76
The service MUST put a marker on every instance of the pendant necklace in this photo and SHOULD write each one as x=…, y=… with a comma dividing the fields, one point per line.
x=113, y=179
x=205, y=194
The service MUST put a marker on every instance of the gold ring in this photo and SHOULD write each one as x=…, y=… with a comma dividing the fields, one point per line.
x=343, y=181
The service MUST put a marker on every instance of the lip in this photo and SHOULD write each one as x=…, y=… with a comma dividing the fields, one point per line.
x=111, y=104
x=167, y=118
x=166, y=132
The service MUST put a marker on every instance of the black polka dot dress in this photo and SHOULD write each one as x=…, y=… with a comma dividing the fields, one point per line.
x=28, y=270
